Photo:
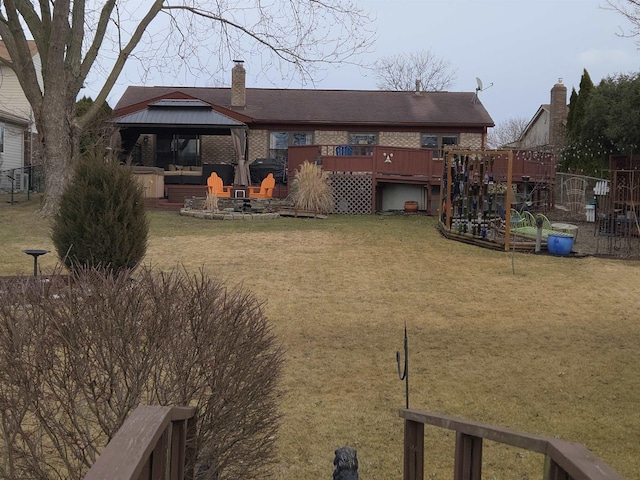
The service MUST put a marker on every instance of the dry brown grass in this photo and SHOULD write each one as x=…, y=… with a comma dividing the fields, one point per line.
x=551, y=350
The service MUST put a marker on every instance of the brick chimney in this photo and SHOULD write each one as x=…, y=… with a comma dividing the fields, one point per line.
x=558, y=113
x=238, y=87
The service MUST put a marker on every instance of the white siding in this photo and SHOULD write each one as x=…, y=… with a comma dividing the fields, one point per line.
x=12, y=98
x=37, y=63
x=12, y=156
x=538, y=133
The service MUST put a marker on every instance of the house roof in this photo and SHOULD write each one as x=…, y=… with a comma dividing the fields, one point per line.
x=179, y=112
x=545, y=107
x=4, y=54
x=14, y=119
x=330, y=107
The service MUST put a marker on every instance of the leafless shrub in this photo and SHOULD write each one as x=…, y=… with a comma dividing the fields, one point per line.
x=77, y=357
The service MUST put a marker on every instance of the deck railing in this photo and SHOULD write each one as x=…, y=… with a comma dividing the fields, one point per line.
x=153, y=443
x=156, y=443
x=389, y=161
x=563, y=460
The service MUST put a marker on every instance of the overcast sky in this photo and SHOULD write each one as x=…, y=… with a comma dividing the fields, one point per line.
x=522, y=47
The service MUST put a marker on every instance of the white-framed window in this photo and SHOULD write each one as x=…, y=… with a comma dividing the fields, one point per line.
x=279, y=143
x=437, y=141
x=1, y=137
x=363, y=143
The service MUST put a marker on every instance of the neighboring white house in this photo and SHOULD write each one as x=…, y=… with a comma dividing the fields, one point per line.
x=546, y=128
x=13, y=134
x=17, y=128
x=536, y=133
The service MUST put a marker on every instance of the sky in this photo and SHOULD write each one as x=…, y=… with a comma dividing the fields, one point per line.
x=518, y=48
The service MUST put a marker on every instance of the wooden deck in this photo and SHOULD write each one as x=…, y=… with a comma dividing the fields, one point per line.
x=563, y=460
x=156, y=443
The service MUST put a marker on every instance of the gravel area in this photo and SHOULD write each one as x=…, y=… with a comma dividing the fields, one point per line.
x=588, y=242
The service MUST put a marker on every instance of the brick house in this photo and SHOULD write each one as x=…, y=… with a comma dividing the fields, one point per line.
x=206, y=129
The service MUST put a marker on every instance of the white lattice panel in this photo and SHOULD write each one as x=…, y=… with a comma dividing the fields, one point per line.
x=352, y=193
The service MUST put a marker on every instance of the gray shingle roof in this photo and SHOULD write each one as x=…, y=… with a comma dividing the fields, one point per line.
x=192, y=113
x=362, y=107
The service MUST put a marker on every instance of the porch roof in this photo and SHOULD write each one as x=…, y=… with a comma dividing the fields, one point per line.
x=191, y=113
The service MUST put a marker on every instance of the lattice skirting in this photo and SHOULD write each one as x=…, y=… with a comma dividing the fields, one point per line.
x=352, y=192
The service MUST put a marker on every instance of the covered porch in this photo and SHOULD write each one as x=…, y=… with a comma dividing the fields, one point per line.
x=183, y=141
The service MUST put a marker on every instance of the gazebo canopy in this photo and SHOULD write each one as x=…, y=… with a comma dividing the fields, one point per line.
x=164, y=116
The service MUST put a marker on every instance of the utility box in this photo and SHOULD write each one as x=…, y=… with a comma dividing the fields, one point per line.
x=591, y=210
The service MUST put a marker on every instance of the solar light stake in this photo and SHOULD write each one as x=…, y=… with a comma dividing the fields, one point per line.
x=404, y=375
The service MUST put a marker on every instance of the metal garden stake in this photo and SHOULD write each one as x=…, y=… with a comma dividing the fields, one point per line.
x=404, y=375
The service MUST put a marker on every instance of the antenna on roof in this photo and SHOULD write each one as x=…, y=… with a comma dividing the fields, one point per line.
x=480, y=88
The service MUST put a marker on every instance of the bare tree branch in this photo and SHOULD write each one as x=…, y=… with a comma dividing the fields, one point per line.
x=629, y=9
x=401, y=72
x=122, y=56
x=80, y=41
x=506, y=132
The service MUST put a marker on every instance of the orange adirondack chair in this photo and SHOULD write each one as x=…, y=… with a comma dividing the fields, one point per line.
x=265, y=190
x=216, y=187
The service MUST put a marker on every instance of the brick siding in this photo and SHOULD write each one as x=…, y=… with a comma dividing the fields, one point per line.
x=217, y=149
x=258, y=144
x=471, y=141
x=399, y=139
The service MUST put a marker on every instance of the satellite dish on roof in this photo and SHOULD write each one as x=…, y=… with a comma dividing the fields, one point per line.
x=479, y=88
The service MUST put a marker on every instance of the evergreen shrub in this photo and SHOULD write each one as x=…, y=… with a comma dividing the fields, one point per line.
x=101, y=222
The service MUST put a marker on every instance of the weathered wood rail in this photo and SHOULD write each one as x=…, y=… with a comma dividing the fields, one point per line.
x=153, y=443
x=156, y=443
x=563, y=460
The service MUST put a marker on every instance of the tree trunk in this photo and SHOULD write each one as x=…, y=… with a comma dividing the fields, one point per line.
x=58, y=141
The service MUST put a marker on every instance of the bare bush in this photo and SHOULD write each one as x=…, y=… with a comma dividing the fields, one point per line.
x=76, y=358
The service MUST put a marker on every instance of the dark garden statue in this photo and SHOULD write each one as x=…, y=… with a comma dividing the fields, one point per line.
x=345, y=464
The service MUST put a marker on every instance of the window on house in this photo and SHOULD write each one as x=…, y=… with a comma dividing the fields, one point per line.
x=437, y=141
x=1, y=137
x=178, y=149
x=279, y=143
x=363, y=143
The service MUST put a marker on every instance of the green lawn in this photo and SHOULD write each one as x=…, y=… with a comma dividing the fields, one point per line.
x=551, y=349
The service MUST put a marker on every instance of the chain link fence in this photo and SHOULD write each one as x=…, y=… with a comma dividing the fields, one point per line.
x=22, y=180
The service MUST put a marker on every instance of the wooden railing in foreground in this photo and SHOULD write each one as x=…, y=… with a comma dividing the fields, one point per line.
x=153, y=443
x=563, y=460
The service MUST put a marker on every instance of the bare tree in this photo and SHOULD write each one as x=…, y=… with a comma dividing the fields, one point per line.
x=629, y=9
x=506, y=132
x=76, y=359
x=400, y=72
x=76, y=39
